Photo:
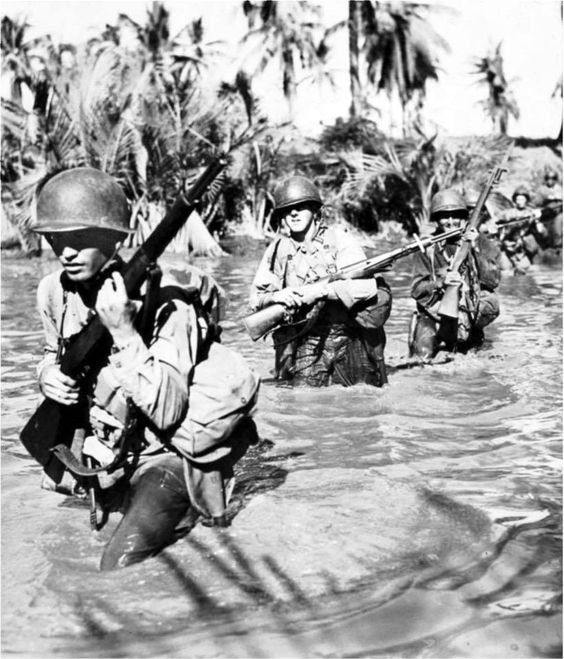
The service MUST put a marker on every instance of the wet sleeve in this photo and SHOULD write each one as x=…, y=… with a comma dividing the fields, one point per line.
x=156, y=377
x=351, y=291
x=48, y=322
x=423, y=285
x=265, y=283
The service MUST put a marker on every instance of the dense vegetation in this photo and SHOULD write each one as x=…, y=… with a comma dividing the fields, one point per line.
x=138, y=103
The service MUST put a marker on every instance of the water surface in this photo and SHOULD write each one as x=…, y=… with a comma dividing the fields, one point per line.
x=421, y=520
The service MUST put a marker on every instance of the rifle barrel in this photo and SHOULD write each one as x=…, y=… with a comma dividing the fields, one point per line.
x=383, y=260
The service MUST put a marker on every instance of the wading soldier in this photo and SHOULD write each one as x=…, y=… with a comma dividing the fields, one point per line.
x=177, y=462
x=478, y=306
x=337, y=331
x=521, y=242
x=549, y=200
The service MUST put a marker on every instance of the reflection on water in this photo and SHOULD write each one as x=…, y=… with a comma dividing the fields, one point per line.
x=419, y=520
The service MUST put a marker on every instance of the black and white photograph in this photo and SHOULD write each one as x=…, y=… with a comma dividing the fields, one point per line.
x=281, y=329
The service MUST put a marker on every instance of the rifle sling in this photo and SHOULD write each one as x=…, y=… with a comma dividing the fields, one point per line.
x=72, y=463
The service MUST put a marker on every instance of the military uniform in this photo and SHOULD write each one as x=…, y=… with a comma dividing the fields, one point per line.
x=480, y=276
x=161, y=415
x=338, y=341
x=551, y=196
x=156, y=379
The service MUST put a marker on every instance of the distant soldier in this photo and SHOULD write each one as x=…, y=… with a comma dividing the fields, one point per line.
x=337, y=330
x=479, y=306
x=549, y=200
x=524, y=237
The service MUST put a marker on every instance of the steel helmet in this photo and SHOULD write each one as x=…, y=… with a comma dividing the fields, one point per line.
x=82, y=198
x=295, y=190
x=521, y=189
x=448, y=200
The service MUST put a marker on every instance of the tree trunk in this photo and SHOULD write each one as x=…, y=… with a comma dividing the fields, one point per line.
x=503, y=123
x=354, y=28
x=289, y=82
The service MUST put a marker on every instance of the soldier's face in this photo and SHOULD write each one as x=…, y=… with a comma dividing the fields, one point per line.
x=299, y=218
x=550, y=181
x=448, y=220
x=520, y=201
x=83, y=253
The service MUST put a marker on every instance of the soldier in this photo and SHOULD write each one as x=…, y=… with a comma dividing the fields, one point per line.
x=152, y=375
x=478, y=307
x=549, y=200
x=337, y=334
x=521, y=240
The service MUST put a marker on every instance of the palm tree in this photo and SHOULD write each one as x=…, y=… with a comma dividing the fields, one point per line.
x=287, y=35
x=399, y=182
x=500, y=102
x=401, y=51
x=354, y=72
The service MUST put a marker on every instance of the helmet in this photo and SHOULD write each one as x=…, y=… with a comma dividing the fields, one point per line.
x=521, y=189
x=294, y=190
x=82, y=198
x=447, y=200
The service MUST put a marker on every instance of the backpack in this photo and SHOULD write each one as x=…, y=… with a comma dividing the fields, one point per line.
x=223, y=392
x=223, y=389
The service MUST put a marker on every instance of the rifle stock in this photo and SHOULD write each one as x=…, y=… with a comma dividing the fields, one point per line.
x=52, y=423
x=450, y=301
x=263, y=321
x=448, y=306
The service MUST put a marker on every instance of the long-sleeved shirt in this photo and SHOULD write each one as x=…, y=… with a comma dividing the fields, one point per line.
x=288, y=263
x=154, y=377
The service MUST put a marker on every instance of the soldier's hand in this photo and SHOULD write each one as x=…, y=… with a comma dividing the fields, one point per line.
x=59, y=387
x=313, y=292
x=471, y=235
x=115, y=309
x=289, y=297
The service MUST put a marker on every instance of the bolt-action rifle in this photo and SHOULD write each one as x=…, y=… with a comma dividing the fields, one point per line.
x=265, y=320
x=545, y=214
x=451, y=297
x=52, y=423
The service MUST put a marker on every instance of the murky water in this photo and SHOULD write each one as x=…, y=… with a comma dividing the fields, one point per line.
x=422, y=520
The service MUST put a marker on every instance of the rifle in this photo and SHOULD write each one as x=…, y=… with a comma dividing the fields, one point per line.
x=450, y=300
x=545, y=214
x=53, y=423
x=521, y=219
x=265, y=320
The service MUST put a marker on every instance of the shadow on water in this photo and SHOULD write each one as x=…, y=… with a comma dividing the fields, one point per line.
x=329, y=553
x=369, y=619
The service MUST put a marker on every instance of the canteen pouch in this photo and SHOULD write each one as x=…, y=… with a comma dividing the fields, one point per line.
x=223, y=392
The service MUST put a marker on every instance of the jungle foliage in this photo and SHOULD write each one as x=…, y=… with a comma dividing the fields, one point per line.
x=149, y=108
